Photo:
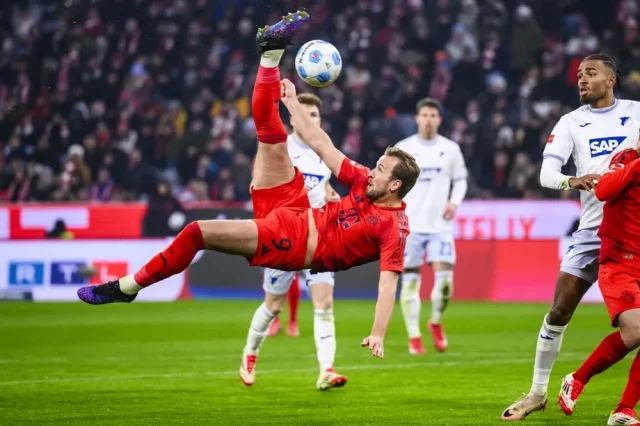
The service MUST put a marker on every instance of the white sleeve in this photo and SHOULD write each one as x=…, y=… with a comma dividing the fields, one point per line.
x=556, y=154
x=458, y=178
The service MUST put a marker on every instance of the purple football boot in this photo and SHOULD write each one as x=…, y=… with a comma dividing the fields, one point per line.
x=104, y=293
x=281, y=34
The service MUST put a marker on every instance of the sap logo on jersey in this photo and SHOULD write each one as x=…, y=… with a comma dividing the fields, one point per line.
x=311, y=181
x=26, y=273
x=604, y=146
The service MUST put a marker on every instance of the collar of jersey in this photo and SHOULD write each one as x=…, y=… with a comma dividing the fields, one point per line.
x=402, y=206
x=295, y=139
x=603, y=110
x=428, y=141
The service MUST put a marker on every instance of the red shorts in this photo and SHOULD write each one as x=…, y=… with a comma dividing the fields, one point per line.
x=282, y=216
x=620, y=288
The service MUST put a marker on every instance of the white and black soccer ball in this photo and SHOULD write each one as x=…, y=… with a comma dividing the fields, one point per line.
x=318, y=63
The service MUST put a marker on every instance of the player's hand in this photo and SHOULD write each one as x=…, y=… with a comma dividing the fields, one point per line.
x=287, y=91
x=449, y=211
x=584, y=183
x=332, y=196
x=375, y=344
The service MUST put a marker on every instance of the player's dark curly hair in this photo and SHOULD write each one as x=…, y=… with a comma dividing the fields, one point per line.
x=608, y=62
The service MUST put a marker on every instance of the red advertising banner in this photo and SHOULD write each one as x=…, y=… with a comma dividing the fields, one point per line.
x=506, y=271
x=113, y=220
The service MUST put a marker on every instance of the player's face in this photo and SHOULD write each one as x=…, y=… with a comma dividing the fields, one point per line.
x=428, y=120
x=381, y=182
x=594, y=81
x=313, y=112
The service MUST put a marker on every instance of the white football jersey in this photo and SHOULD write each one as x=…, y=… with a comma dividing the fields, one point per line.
x=316, y=173
x=591, y=136
x=441, y=162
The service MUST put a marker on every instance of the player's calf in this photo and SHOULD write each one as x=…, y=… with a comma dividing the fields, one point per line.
x=231, y=237
x=272, y=165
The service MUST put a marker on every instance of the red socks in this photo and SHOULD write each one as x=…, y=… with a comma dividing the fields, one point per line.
x=294, y=297
x=264, y=106
x=174, y=259
x=631, y=394
x=611, y=350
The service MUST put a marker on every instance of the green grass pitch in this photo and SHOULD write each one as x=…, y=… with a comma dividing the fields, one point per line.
x=177, y=363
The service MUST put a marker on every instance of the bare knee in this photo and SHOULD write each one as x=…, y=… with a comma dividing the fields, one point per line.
x=569, y=291
x=322, y=296
x=441, y=266
x=631, y=336
x=559, y=315
x=629, y=322
x=275, y=302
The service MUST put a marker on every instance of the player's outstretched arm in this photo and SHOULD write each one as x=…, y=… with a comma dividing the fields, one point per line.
x=614, y=181
x=384, y=308
x=310, y=132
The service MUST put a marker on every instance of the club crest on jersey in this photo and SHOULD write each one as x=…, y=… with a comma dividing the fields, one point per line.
x=625, y=122
x=604, y=146
x=311, y=181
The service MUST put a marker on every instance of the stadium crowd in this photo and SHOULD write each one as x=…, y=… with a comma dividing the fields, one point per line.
x=101, y=99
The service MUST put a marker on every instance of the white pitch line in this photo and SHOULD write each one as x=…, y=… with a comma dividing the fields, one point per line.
x=225, y=373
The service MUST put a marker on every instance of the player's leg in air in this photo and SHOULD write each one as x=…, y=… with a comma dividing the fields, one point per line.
x=441, y=256
x=324, y=330
x=410, y=301
x=578, y=271
x=272, y=171
x=615, y=281
x=293, y=297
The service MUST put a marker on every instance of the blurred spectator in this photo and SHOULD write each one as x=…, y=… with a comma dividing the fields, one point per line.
x=102, y=100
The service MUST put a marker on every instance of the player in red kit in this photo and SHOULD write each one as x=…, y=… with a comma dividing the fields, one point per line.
x=619, y=281
x=286, y=234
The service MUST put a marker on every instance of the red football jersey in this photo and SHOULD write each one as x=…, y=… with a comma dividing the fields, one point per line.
x=619, y=232
x=354, y=231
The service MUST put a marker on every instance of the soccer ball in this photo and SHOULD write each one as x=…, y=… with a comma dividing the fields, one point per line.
x=318, y=63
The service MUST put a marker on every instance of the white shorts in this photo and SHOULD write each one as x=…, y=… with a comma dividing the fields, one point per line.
x=581, y=258
x=438, y=248
x=278, y=282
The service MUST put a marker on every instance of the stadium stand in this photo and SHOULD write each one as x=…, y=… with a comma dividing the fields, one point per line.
x=100, y=100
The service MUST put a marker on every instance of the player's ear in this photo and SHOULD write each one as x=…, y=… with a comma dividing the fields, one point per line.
x=395, y=185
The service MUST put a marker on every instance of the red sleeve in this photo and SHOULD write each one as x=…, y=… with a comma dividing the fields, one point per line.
x=616, y=179
x=392, y=242
x=350, y=171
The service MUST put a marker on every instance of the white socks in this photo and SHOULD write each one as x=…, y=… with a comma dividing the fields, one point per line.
x=129, y=286
x=547, y=349
x=410, y=303
x=324, y=331
x=258, y=330
x=271, y=59
x=441, y=294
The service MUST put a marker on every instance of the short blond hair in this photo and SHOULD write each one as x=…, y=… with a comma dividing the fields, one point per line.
x=310, y=99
